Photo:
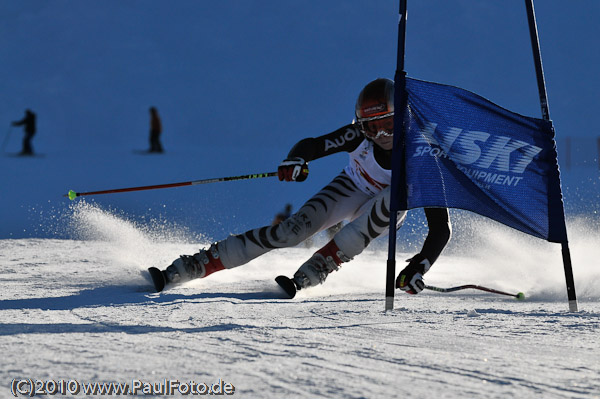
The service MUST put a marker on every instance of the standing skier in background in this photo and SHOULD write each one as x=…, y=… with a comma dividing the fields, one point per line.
x=28, y=123
x=359, y=194
x=155, y=131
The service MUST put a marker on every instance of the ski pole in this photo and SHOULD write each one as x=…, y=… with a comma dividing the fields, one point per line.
x=6, y=138
x=72, y=194
x=519, y=295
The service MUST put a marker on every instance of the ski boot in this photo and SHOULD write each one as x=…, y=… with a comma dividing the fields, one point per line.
x=188, y=267
x=315, y=270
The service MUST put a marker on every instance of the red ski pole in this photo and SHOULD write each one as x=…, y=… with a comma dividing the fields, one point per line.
x=72, y=194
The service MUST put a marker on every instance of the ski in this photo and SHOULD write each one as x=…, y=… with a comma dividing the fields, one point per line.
x=158, y=278
x=287, y=285
x=160, y=281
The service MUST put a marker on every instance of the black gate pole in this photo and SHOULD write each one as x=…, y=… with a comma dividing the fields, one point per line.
x=398, y=181
x=539, y=71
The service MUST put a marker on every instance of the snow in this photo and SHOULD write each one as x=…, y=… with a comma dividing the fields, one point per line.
x=83, y=309
x=76, y=303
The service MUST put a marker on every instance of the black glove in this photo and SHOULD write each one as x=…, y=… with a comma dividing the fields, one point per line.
x=293, y=169
x=410, y=280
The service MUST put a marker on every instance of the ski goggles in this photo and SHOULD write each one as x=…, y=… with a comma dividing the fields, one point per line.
x=378, y=126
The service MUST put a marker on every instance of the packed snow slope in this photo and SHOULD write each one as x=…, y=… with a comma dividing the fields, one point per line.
x=235, y=93
x=83, y=311
x=79, y=307
x=76, y=304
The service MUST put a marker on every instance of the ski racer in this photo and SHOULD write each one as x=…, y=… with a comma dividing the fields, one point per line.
x=359, y=194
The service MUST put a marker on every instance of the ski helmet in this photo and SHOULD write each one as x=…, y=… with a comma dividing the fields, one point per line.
x=375, y=103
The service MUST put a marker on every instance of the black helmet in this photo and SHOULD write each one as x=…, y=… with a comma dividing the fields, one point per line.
x=375, y=102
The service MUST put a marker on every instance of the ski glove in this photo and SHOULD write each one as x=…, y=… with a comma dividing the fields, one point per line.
x=293, y=169
x=410, y=280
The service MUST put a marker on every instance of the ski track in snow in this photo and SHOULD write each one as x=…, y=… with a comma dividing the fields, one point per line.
x=84, y=309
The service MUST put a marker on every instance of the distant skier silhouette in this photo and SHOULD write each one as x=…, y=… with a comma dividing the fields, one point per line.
x=155, y=131
x=281, y=216
x=28, y=123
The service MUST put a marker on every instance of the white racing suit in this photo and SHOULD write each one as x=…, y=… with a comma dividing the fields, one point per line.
x=339, y=200
x=360, y=194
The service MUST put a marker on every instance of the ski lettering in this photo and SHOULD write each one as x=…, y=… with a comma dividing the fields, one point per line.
x=348, y=135
x=500, y=153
